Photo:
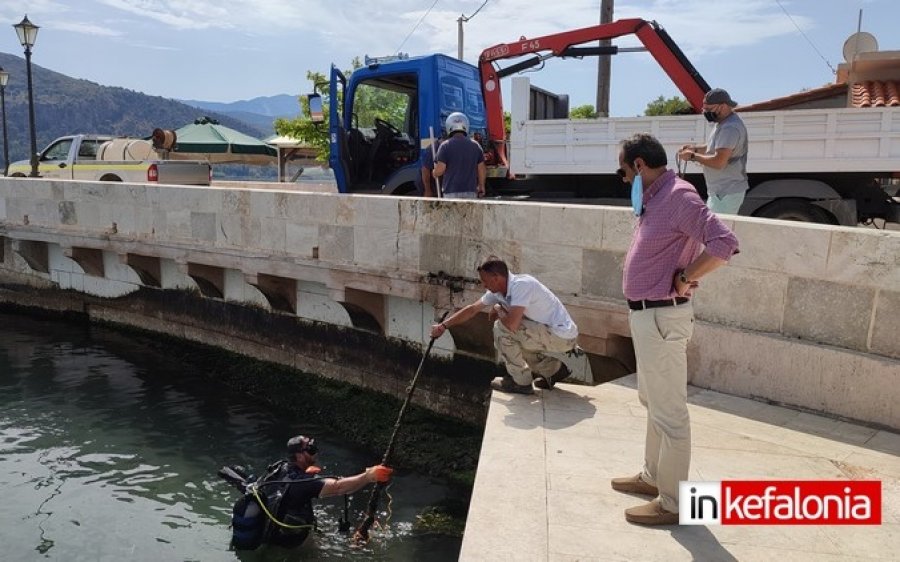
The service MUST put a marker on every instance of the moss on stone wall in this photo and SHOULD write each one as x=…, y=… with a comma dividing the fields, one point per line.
x=437, y=445
x=434, y=444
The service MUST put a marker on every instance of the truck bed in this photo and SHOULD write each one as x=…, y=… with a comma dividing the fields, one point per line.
x=786, y=141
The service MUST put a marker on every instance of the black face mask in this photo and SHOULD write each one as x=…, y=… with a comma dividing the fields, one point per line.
x=711, y=116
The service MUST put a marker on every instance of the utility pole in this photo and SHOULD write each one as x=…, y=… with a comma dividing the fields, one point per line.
x=459, y=29
x=604, y=63
x=459, y=35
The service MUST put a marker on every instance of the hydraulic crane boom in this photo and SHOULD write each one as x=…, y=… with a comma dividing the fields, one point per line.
x=656, y=40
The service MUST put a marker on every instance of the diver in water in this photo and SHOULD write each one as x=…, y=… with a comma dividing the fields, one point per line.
x=277, y=508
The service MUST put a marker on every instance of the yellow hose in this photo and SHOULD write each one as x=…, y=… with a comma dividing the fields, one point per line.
x=272, y=517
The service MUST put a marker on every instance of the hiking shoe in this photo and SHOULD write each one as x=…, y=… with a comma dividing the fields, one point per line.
x=561, y=374
x=506, y=384
x=634, y=485
x=651, y=513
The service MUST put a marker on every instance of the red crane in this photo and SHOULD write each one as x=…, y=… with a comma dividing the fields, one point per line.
x=654, y=38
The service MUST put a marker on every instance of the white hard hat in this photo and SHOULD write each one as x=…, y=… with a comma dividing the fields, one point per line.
x=457, y=122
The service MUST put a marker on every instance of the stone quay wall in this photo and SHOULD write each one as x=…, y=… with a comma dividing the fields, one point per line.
x=806, y=315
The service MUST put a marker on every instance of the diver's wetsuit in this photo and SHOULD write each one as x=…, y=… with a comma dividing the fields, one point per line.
x=294, y=507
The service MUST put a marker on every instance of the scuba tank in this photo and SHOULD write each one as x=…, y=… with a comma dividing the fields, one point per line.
x=247, y=523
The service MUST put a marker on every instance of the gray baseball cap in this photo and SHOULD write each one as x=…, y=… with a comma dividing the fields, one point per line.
x=717, y=96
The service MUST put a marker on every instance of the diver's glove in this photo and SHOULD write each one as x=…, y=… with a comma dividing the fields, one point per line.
x=379, y=473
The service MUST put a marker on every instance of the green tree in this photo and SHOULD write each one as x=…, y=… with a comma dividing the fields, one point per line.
x=672, y=106
x=583, y=112
x=302, y=128
x=370, y=102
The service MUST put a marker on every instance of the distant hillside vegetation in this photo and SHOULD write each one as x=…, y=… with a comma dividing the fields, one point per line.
x=260, y=112
x=65, y=106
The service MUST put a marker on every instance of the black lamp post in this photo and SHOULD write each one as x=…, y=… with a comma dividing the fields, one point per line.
x=4, y=78
x=27, y=33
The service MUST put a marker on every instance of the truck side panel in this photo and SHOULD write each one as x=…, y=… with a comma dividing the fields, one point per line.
x=796, y=141
x=108, y=170
x=460, y=90
x=182, y=172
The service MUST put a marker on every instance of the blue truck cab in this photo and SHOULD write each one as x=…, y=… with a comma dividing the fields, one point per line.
x=390, y=108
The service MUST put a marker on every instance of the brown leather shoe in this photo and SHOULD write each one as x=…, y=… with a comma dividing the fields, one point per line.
x=634, y=485
x=650, y=513
x=506, y=384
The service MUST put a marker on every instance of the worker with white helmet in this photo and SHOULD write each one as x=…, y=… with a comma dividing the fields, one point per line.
x=460, y=161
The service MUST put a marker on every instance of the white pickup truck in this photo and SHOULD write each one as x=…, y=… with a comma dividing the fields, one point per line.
x=817, y=165
x=107, y=158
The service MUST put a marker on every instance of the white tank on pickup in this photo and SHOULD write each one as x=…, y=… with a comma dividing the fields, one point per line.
x=127, y=149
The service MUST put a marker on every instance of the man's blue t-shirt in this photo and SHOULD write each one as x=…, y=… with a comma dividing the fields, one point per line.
x=462, y=156
x=427, y=159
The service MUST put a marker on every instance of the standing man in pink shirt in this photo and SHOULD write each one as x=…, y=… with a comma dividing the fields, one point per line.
x=677, y=241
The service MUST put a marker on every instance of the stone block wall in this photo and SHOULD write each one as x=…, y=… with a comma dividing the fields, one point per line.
x=815, y=289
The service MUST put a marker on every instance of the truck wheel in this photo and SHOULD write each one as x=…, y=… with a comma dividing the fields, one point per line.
x=405, y=189
x=110, y=177
x=795, y=210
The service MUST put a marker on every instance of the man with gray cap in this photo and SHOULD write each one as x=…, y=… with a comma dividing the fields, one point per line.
x=724, y=157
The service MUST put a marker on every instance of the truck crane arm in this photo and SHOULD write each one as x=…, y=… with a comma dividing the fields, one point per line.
x=654, y=38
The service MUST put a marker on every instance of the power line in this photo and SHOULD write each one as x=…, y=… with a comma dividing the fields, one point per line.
x=459, y=22
x=476, y=11
x=833, y=71
x=413, y=30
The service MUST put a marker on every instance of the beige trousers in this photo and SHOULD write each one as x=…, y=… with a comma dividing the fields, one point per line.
x=521, y=350
x=660, y=337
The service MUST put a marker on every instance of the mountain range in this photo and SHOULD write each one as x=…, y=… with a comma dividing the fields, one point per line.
x=64, y=106
x=259, y=112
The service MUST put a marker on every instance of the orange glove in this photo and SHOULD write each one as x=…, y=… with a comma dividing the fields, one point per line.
x=313, y=469
x=379, y=473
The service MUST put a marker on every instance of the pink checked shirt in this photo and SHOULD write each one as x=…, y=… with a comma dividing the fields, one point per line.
x=672, y=231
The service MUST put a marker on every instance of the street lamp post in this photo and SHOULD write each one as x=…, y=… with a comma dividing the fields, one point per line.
x=27, y=33
x=4, y=78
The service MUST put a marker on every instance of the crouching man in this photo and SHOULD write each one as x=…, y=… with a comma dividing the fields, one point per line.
x=529, y=320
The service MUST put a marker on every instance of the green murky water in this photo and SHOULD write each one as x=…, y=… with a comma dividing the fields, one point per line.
x=109, y=451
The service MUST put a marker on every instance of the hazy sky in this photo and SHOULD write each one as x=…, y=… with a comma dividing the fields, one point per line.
x=228, y=50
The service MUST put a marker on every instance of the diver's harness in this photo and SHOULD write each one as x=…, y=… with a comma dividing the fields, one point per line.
x=248, y=485
x=253, y=489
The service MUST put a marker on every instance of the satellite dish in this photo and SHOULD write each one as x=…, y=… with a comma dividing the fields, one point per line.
x=861, y=42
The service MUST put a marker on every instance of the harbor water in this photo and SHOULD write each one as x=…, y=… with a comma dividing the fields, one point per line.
x=109, y=451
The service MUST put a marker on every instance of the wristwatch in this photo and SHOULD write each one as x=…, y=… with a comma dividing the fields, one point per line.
x=683, y=278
